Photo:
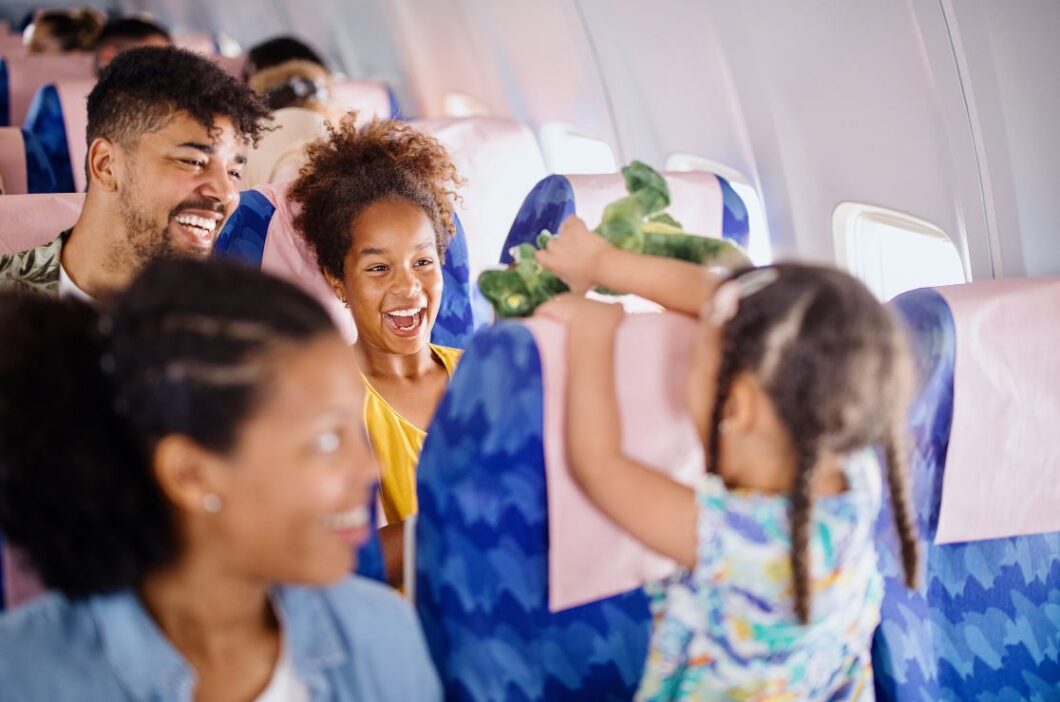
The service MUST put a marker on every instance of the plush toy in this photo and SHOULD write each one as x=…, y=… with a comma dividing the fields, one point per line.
x=635, y=223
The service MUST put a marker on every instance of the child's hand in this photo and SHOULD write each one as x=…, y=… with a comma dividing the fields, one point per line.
x=574, y=255
x=574, y=309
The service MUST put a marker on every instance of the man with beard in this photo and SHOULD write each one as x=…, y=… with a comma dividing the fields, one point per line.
x=167, y=137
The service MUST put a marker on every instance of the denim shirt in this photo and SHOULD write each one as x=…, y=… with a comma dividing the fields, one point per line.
x=353, y=641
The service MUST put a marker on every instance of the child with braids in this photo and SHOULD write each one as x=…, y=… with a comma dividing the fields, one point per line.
x=797, y=374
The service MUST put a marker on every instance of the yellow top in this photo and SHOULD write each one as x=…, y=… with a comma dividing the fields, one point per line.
x=397, y=443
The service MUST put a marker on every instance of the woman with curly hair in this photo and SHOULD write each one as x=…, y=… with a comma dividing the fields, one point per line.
x=376, y=211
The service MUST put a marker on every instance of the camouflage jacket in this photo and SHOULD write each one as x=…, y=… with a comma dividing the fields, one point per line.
x=35, y=270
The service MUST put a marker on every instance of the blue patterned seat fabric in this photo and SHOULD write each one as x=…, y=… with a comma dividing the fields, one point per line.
x=45, y=121
x=243, y=239
x=482, y=548
x=552, y=200
x=5, y=95
x=40, y=178
x=985, y=621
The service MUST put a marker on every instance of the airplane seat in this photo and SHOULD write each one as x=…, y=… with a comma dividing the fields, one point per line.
x=524, y=590
x=28, y=221
x=500, y=160
x=704, y=203
x=58, y=117
x=23, y=163
x=370, y=99
x=261, y=233
x=199, y=42
x=983, y=622
x=20, y=78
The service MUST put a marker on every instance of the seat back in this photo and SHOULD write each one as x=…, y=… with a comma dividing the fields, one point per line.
x=23, y=163
x=20, y=78
x=370, y=99
x=261, y=232
x=983, y=623
x=490, y=498
x=501, y=161
x=28, y=221
x=199, y=42
x=704, y=203
x=58, y=118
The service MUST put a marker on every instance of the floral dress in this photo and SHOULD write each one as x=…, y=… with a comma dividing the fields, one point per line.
x=728, y=629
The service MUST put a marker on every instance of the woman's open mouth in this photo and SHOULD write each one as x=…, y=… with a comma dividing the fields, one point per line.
x=406, y=322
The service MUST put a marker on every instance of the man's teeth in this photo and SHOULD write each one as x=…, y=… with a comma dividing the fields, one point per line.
x=350, y=519
x=200, y=222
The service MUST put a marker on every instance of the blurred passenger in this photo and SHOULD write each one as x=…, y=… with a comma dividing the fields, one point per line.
x=127, y=33
x=276, y=51
x=63, y=31
x=187, y=471
x=168, y=133
x=376, y=212
x=799, y=372
x=299, y=92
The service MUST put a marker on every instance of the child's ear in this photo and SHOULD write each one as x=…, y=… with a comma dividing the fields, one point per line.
x=741, y=405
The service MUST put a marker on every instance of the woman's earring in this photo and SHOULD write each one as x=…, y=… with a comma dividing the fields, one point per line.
x=211, y=502
x=724, y=426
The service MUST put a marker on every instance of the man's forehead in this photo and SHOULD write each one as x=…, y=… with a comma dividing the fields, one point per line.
x=182, y=128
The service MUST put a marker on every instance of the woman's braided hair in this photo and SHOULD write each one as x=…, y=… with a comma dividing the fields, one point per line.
x=835, y=366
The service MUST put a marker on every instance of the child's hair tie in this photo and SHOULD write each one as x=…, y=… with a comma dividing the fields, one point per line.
x=725, y=302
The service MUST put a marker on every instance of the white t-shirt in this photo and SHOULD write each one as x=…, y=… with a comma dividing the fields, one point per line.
x=285, y=685
x=68, y=288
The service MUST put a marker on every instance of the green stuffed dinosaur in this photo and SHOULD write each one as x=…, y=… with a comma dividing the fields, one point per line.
x=635, y=223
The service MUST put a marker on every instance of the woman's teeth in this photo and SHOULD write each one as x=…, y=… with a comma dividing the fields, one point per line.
x=350, y=519
x=406, y=319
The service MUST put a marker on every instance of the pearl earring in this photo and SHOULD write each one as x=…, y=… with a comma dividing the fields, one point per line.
x=211, y=502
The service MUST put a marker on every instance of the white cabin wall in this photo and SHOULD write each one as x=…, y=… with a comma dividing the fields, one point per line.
x=1010, y=62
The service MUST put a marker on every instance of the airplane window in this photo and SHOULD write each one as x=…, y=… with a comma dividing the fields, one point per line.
x=758, y=246
x=568, y=150
x=456, y=104
x=892, y=252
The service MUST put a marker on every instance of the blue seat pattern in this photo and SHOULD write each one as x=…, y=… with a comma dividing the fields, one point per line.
x=482, y=548
x=552, y=200
x=5, y=95
x=243, y=239
x=39, y=175
x=45, y=121
x=985, y=621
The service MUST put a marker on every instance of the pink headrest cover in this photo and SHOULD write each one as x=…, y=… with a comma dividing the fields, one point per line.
x=1004, y=456
x=27, y=74
x=652, y=355
x=501, y=161
x=368, y=98
x=27, y=221
x=13, y=161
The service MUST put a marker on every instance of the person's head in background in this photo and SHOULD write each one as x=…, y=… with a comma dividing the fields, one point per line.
x=62, y=31
x=168, y=132
x=276, y=51
x=127, y=33
x=296, y=83
x=207, y=420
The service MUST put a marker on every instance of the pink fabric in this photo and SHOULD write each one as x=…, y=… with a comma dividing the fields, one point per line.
x=12, y=47
x=652, y=354
x=73, y=96
x=696, y=199
x=368, y=98
x=501, y=161
x=199, y=42
x=1004, y=457
x=27, y=221
x=13, y=161
x=20, y=584
x=27, y=74
x=288, y=256
x=233, y=65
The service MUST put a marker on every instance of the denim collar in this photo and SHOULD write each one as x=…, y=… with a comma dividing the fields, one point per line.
x=151, y=669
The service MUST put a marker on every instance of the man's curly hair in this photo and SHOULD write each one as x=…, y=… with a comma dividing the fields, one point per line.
x=354, y=167
x=142, y=89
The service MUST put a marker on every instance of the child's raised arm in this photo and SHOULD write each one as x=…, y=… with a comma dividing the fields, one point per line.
x=583, y=259
x=650, y=506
